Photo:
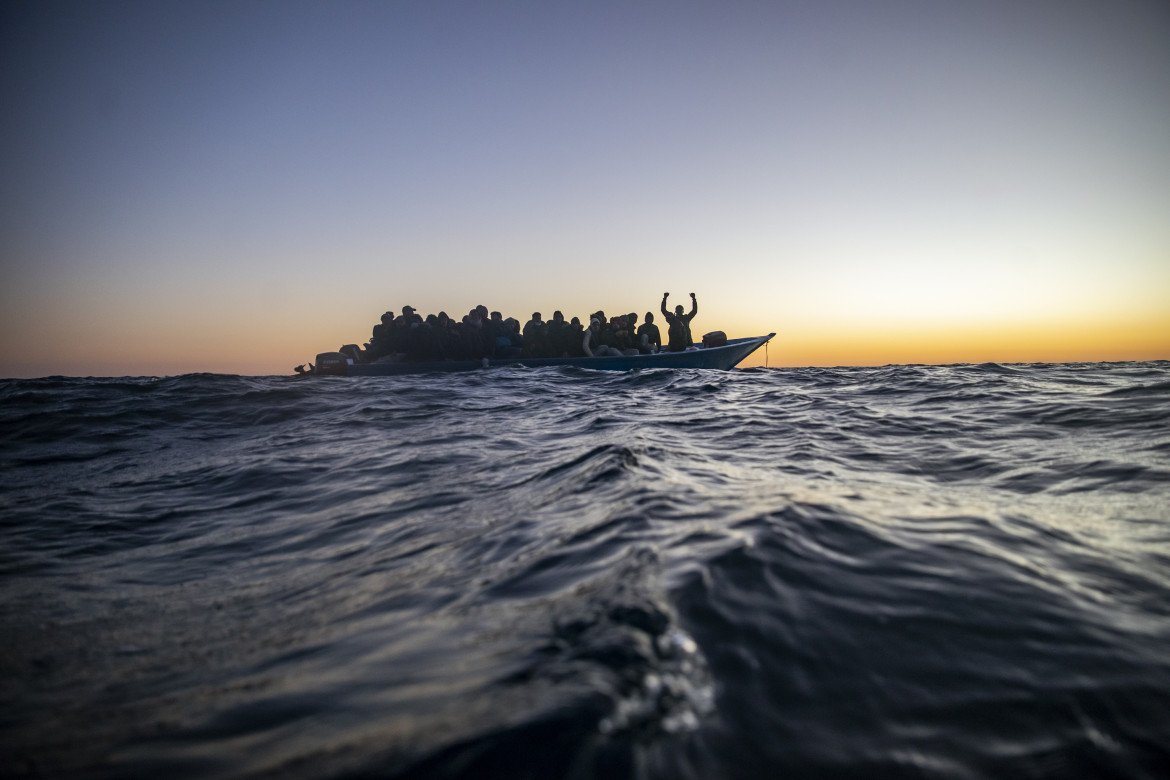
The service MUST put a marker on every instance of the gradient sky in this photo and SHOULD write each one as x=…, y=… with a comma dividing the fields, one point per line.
x=236, y=186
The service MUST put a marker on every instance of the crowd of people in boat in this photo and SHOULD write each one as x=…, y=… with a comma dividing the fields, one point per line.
x=482, y=334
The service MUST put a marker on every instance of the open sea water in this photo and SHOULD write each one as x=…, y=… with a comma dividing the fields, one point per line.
x=940, y=572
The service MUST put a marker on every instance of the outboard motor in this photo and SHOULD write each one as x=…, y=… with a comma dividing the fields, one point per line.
x=353, y=352
x=332, y=364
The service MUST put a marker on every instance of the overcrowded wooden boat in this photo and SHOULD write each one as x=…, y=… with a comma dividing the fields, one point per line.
x=723, y=357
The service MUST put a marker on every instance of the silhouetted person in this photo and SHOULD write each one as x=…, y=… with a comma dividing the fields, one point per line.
x=533, y=334
x=593, y=341
x=573, y=345
x=648, y=336
x=472, y=342
x=679, y=324
x=382, y=339
x=621, y=336
x=558, y=336
x=496, y=335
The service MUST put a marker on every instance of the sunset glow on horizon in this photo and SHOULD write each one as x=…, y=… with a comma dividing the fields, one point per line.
x=234, y=187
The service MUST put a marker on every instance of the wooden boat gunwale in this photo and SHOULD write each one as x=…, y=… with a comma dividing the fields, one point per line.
x=720, y=358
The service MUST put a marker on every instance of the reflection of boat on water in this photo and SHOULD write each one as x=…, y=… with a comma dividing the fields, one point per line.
x=722, y=357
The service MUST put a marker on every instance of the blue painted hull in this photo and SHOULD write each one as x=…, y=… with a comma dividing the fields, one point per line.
x=720, y=358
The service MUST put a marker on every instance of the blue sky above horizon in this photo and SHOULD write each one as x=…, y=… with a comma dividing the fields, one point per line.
x=235, y=186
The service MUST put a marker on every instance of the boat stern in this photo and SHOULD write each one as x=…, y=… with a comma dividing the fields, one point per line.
x=332, y=364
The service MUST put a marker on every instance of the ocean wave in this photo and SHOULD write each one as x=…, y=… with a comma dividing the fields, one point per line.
x=907, y=570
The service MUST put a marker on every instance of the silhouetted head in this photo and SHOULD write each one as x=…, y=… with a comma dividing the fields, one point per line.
x=387, y=318
x=407, y=311
x=575, y=321
x=649, y=316
x=558, y=317
x=536, y=316
x=631, y=318
x=678, y=310
x=499, y=317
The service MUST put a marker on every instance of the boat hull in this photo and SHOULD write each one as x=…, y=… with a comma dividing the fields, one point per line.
x=718, y=358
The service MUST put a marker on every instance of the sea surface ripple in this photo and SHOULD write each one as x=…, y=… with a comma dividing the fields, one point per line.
x=910, y=571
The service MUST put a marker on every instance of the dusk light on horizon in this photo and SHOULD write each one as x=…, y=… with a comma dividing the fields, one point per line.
x=234, y=187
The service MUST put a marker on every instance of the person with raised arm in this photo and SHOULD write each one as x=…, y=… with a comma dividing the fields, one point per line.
x=679, y=324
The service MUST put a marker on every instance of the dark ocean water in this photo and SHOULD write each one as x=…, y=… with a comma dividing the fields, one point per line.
x=952, y=572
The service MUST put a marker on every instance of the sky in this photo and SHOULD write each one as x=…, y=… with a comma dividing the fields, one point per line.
x=233, y=187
